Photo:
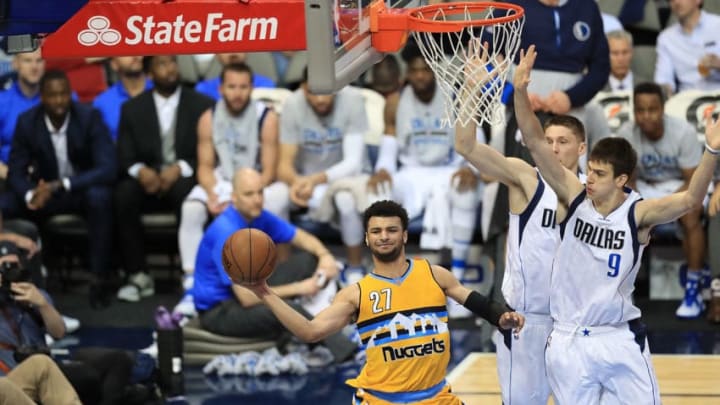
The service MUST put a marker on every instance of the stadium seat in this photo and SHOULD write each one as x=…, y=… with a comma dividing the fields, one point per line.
x=275, y=97
x=65, y=241
x=694, y=106
x=617, y=107
x=201, y=346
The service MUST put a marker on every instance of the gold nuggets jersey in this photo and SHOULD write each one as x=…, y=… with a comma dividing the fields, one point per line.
x=403, y=326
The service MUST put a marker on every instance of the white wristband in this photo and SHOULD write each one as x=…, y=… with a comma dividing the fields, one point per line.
x=712, y=151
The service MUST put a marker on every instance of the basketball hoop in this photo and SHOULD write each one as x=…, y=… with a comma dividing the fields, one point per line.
x=450, y=37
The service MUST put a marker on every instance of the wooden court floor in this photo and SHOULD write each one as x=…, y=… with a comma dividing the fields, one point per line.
x=683, y=379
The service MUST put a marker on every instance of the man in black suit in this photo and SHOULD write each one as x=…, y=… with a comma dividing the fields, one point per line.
x=157, y=152
x=62, y=160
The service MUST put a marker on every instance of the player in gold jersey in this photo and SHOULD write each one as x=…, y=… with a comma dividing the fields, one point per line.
x=399, y=309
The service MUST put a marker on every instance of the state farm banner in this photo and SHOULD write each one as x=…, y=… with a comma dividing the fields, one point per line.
x=157, y=27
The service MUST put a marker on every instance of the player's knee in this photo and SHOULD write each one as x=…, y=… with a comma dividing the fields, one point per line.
x=193, y=211
x=344, y=202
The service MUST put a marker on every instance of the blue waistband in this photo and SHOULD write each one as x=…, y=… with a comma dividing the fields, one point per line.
x=411, y=396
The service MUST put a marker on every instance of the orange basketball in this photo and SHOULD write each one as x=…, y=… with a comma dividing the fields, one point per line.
x=249, y=256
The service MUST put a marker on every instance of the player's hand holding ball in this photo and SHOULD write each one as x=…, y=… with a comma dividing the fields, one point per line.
x=249, y=257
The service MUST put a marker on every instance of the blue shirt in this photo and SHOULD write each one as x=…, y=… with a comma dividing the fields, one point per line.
x=211, y=87
x=32, y=330
x=12, y=103
x=212, y=285
x=110, y=101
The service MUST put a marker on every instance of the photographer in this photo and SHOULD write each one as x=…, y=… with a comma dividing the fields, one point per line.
x=99, y=375
x=27, y=312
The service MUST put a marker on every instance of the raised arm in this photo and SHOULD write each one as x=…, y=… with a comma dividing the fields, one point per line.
x=564, y=182
x=652, y=212
x=488, y=161
x=331, y=320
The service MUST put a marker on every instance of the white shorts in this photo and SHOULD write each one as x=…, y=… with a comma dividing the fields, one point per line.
x=521, y=362
x=583, y=362
x=412, y=186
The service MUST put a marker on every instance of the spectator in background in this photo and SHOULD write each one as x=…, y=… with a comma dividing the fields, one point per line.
x=621, y=53
x=668, y=154
x=688, y=52
x=237, y=132
x=67, y=148
x=131, y=82
x=322, y=141
x=21, y=96
x=386, y=77
x=211, y=86
x=157, y=153
x=232, y=310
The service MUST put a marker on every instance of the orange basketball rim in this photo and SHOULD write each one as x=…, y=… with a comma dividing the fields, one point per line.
x=389, y=27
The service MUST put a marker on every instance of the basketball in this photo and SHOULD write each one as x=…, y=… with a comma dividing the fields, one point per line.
x=249, y=256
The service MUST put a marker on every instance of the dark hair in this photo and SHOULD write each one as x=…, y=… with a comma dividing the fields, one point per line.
x=569, y=122
x=386, y=208
x=239, y=67
x=53, y=74
x=650, y=88
x=618, y=153
x=386, y=75
x=410, y=52
x=147, y=62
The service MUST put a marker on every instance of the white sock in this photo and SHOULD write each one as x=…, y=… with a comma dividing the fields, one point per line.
x=192, y=220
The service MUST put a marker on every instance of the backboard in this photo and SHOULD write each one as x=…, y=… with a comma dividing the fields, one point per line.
x=338, y=41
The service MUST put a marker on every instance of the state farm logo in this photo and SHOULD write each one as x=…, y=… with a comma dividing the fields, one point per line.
x=99, y=31
x=146, y=30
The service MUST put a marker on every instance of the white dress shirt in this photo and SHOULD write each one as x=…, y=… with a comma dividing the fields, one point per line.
x=625, y=84
x=166, y=111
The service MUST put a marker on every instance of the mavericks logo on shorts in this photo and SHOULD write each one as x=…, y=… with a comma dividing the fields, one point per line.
x=408, y=352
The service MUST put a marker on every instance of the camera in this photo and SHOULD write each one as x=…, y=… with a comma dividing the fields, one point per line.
x=12, y=272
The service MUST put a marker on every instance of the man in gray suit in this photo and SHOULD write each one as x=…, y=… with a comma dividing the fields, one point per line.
x=621, y=77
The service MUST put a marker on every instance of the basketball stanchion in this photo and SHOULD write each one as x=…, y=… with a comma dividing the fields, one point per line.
x=449, y=36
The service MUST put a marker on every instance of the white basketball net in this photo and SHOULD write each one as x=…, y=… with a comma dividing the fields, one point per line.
x=471, y=79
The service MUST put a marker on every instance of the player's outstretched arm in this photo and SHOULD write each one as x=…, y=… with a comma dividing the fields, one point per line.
x=564, y=182
x=662, y=210
x=331, y=320
x=487, y=160
x=493, y=312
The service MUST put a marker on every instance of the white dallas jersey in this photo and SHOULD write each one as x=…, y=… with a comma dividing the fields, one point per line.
x=532, y=240
x=422, y=137
x=593, y=275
